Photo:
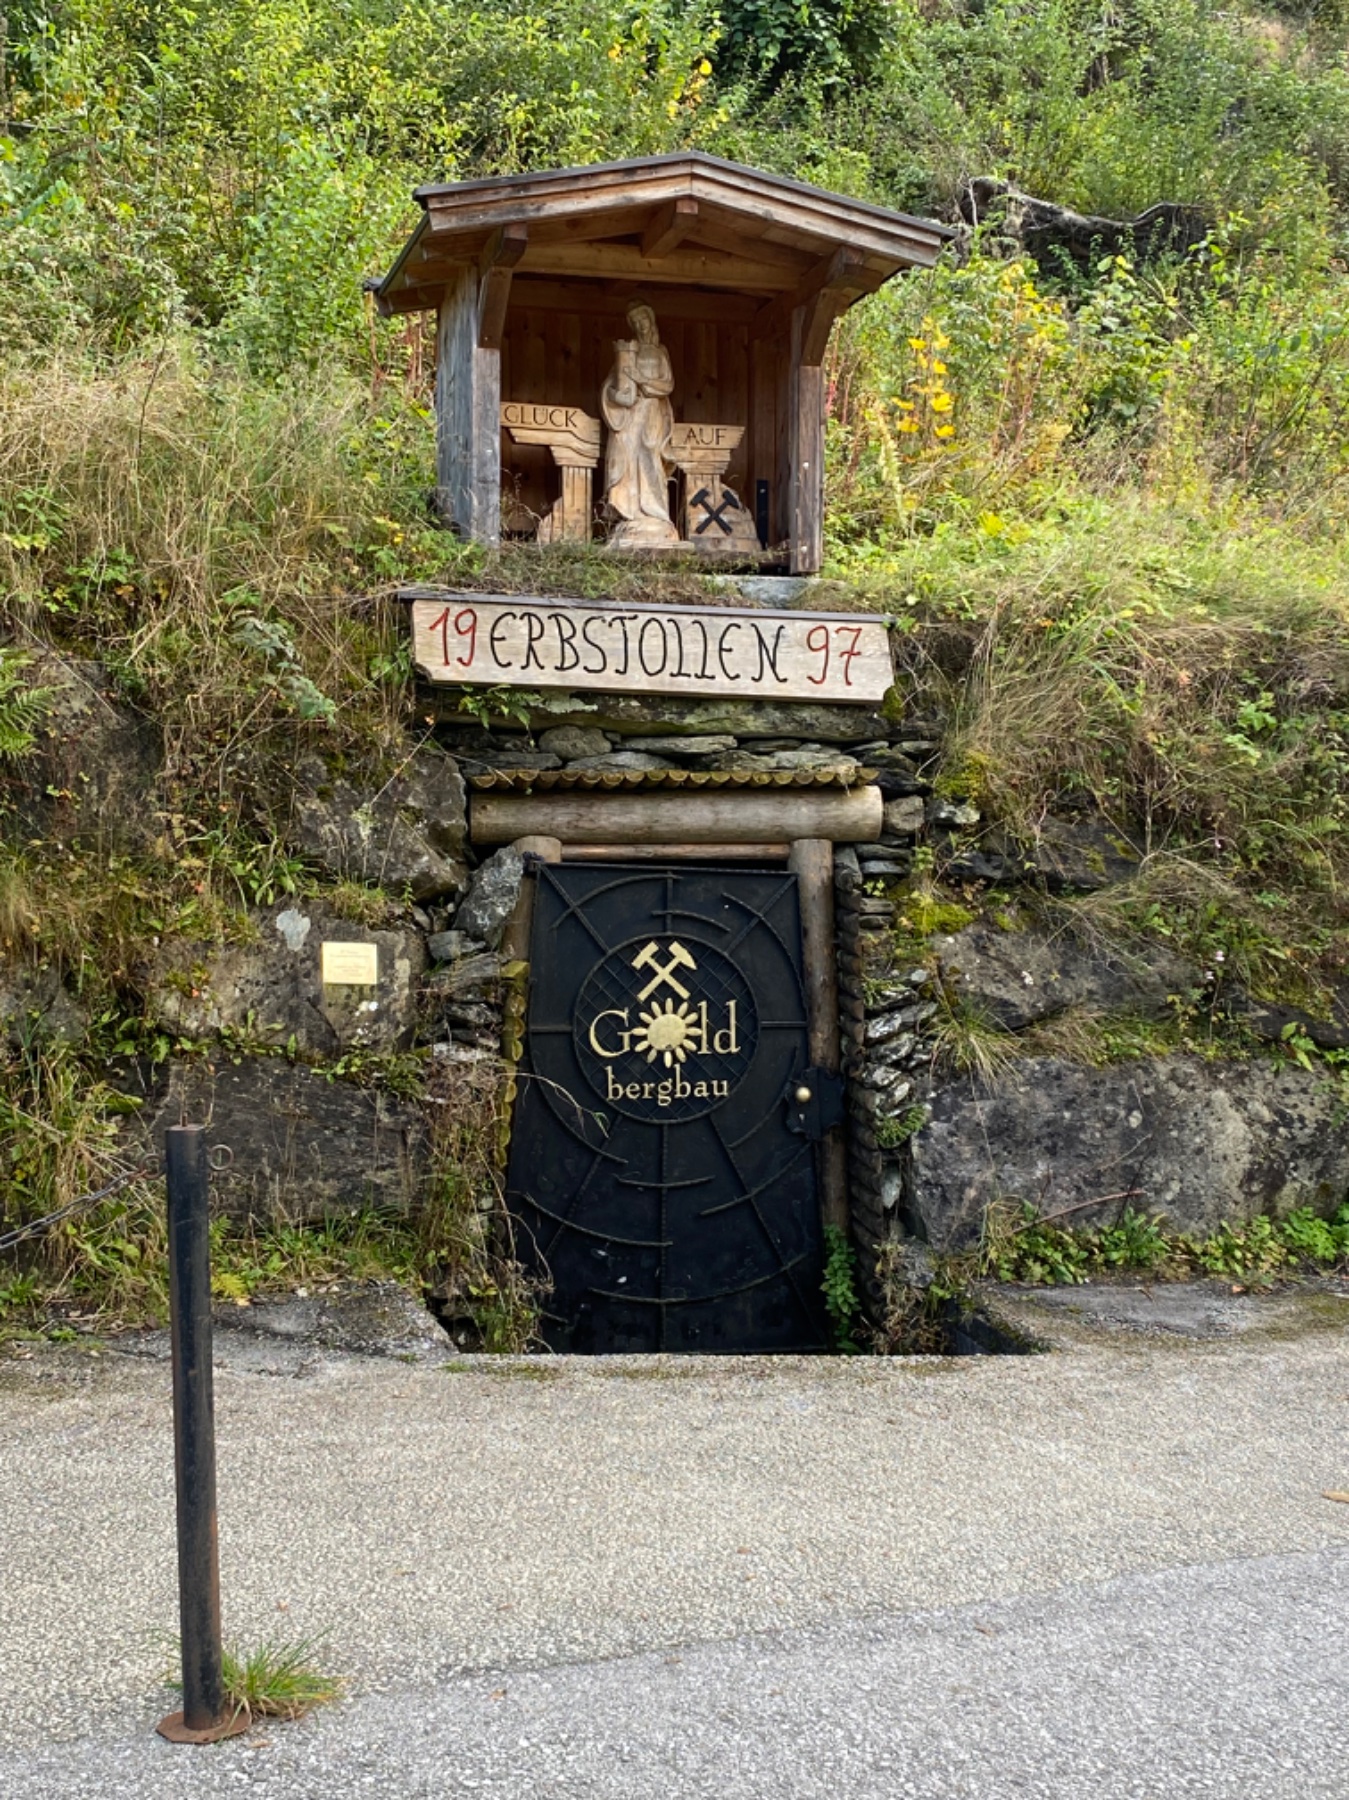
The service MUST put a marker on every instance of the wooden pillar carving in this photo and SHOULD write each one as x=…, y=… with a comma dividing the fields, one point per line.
x=468, y=410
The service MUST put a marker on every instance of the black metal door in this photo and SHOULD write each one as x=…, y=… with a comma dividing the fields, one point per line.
x=657, y=1172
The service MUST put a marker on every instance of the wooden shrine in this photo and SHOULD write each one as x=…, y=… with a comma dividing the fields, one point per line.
x=634, y=351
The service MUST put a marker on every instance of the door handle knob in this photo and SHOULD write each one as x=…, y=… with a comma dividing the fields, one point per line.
x=803, y=1094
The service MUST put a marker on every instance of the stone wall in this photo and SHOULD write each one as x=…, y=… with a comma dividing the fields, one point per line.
x=298, y=1077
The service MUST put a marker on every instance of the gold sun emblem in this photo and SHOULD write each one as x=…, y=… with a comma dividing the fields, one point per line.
x=670, y=1032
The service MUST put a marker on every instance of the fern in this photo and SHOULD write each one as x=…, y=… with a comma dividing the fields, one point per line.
x=22, y=706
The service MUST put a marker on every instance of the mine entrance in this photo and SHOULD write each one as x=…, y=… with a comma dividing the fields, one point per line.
x=662, y=1169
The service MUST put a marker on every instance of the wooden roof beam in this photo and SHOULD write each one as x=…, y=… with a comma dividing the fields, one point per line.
x=707, y=268
x=668, y=229
x=497, y=264
x=829, y=289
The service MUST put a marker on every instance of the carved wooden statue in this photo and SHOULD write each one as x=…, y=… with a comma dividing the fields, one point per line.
x=636, y=405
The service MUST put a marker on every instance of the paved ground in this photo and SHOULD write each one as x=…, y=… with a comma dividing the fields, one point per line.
x=1105, y=1572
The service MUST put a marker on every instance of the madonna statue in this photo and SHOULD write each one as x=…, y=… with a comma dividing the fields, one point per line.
x=635, y=402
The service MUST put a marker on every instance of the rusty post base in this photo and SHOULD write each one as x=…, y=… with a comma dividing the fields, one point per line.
x=176, y=1732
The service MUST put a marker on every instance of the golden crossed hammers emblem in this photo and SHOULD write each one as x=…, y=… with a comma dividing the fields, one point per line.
x=647, y=958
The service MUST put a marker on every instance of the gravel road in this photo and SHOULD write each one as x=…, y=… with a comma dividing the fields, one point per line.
x=1104, y=1572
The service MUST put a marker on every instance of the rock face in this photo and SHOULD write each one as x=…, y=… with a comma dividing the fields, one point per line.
x=407, y=833
x=94, y=770
x=35, y=1007
x=1021, y=977
x=271, y=987
x=1085, y=853
x=491, y=896
x=303, y=1146
x=1197, y=1141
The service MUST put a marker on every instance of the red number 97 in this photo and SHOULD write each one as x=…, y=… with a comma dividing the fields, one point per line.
x=817, y=639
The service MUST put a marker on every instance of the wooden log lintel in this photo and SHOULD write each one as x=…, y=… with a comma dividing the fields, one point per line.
x=755, y=816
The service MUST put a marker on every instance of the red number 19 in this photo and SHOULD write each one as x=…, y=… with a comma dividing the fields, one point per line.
x=465, y=626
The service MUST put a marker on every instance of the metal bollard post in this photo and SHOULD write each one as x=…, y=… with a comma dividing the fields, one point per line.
x=203, y=1718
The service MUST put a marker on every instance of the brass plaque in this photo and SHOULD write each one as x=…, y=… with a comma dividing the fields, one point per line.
x=349, y=965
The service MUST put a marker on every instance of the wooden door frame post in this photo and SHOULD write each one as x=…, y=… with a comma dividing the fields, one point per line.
x=811, y=860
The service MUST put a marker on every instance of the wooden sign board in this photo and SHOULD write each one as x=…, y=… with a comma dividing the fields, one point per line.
x=496, y=640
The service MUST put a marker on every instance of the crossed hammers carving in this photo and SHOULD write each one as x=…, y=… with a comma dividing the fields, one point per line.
x=646, y=958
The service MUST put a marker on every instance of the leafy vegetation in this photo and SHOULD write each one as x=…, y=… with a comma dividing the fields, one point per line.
x=1023, y=1246
x=841, y=1299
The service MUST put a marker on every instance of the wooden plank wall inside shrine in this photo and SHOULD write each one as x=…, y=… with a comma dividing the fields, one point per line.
x=560, y=354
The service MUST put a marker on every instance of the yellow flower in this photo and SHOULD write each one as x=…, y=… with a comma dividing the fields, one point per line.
x=944, y=431
x=938, y=368
x=941, y=403
x=918, y=343
x=704, y=67
x=615, y=51
x=907, y=425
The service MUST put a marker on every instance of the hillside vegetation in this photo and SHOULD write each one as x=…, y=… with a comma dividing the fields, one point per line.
x=1106, y=492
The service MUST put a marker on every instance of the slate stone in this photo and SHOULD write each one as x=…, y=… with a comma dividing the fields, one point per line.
x=447, y=946
x=407, y=832
x=896, y=785
x=817, y=761
x=1020, y=977
x=634, y=761
x=887, y=756
x=491, y=896
x=1197, y=1141
x=887, y=1026
x=680, y=746
x=270, y=987
x=955, y=815
x=898, y=992
x=904, y=817
x=570, y=741
x=847, y=868
x=512, y=759
x=304, y=1145
x=473, y=977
